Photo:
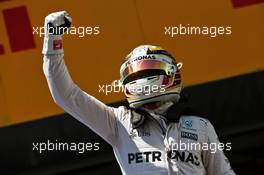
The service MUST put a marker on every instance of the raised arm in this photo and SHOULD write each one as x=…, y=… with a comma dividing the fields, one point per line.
x=85, y=108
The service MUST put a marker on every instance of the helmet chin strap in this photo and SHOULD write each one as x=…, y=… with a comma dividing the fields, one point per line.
x=158, y=107
x=151, y=106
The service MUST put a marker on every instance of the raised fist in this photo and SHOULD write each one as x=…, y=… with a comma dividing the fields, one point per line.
x=55, y=25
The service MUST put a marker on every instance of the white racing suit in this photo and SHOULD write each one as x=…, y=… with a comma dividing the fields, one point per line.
x=147, y=150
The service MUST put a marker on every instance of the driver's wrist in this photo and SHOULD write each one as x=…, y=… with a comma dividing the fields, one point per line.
x=52, y=44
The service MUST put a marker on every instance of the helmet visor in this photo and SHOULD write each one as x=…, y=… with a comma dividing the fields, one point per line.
x=144, y=65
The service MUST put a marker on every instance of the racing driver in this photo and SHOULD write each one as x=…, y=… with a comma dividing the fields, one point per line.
x=145, y=135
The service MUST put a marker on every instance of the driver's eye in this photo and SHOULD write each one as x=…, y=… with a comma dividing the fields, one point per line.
x=133, y=82
x=143, y=74
x=151, y=78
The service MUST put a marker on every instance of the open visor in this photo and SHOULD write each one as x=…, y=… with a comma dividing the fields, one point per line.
x=144, y=65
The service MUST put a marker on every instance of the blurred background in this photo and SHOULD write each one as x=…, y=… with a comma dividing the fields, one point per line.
x=223, y=76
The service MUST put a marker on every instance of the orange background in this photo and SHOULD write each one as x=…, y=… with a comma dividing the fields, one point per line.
x=124, y=24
